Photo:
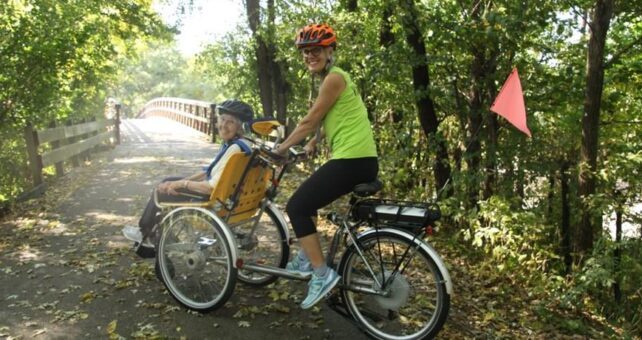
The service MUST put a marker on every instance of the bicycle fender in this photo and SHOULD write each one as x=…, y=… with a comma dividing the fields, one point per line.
x=425, y=246
x=227, y=233
x=280, y=217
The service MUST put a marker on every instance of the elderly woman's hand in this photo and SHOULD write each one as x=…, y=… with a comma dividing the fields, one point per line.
x=162, y=188
x=174, y=186
x=169, y=187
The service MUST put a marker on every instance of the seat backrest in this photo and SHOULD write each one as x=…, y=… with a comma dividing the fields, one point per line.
x=252, y=190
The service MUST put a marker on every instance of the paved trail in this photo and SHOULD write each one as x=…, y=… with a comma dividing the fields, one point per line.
x=68, y=273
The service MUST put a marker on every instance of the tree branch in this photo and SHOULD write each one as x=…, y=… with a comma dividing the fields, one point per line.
x=587, y=22
x=626, y=122
x=616, y=57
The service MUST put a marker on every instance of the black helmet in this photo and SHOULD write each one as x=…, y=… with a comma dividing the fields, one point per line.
x=237, y=109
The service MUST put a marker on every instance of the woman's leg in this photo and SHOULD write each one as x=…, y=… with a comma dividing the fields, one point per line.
x=333, y=180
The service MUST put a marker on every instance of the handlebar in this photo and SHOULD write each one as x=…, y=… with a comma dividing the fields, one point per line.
x=294, y=154
x=272, y=155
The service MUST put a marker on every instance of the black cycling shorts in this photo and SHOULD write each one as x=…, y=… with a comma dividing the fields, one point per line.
x=334, y=179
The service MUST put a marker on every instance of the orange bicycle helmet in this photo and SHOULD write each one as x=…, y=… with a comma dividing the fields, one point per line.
x=316, y=35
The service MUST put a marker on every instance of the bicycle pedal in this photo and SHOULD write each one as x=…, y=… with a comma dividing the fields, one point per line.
x=333, y=297
x=335, y=303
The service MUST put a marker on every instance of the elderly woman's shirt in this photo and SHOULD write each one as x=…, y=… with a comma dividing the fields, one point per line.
x=224, y=155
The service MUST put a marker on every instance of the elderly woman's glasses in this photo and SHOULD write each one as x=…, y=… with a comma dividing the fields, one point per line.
x=314, y=51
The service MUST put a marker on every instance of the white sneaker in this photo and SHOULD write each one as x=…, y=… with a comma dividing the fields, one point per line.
x=132, y=232
x=318, y=287
x=303, y=268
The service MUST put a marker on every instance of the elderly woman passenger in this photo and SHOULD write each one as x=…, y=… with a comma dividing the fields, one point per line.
x=231, y=116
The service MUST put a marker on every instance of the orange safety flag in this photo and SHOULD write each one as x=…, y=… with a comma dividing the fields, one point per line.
x=510, y=103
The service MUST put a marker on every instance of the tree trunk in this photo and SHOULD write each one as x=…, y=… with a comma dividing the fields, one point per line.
x=280, y=85
x=491, y=158
x=262, y=53
x=483, y=65
x=550, y=197
x=473, y=151
x=599, y=26
x=565, y=232
x=386, y=37
x=350, y=5
x=617, y=253
x=475, y=119
x=425, y=105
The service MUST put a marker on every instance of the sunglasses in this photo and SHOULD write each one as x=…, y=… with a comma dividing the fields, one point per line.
x=314, y=51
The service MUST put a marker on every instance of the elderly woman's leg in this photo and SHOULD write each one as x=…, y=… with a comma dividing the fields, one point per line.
x=149, y=217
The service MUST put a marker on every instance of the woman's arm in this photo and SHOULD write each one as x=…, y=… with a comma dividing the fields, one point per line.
x=329, y=92
x=198, y=182
x=202, y=187
x=197, y=177
x=172, y=188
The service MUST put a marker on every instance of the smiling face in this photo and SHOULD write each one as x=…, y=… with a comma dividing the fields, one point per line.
x=228, y=126
x=316, y=58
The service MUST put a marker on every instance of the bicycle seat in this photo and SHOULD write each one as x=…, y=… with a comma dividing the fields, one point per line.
x=368, y=189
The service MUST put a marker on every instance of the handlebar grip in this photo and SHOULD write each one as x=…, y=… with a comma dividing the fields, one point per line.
x=274, y=156
x=297, y=153
x=294, y=154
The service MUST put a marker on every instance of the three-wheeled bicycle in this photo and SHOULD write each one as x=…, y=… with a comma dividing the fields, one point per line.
x=393, y=283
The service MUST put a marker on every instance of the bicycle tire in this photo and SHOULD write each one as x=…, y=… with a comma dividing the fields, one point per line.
x=195, y=260
x=418, y=304
x=267, y=246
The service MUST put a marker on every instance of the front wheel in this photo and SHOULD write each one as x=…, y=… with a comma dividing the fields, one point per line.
x=195, y=260
x=412, y=303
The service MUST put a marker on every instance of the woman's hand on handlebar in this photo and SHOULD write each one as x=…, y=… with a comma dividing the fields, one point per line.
x=281, y=151
x=281, y=154
x=310, y=150
x=275, y=154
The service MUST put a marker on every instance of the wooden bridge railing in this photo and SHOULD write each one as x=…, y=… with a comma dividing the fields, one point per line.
x=67, y=143
x=198, y=115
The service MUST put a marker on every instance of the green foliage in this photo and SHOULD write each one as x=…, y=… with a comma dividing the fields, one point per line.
x=159, y=70
x=591, y=286
x=56, y=60
x=517, y=241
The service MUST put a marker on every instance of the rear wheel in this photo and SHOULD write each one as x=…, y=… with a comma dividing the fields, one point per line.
x=266, y=244
x=412, y=304
x=195, y=260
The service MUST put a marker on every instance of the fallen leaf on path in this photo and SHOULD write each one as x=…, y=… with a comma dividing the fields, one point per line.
x=39, y=332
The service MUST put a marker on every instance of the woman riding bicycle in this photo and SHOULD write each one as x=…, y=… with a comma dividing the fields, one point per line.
x=338, y=113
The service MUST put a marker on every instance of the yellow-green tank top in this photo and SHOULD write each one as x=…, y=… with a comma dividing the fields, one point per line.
x=346, y=125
